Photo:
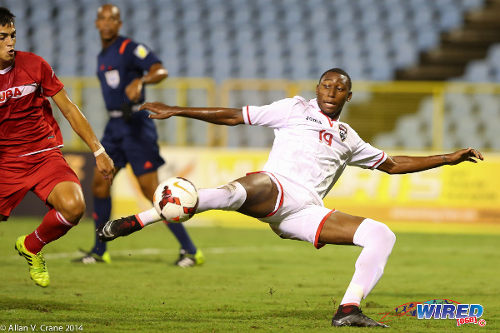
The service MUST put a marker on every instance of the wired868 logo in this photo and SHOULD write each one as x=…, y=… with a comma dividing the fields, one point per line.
x=439, y=309
x=463, y=313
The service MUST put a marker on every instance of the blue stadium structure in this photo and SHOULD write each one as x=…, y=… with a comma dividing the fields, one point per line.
x=247, y=39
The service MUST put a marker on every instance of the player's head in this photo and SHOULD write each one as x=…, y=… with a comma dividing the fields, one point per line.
x=7, y=37
x=108, y=22
x=333, y=90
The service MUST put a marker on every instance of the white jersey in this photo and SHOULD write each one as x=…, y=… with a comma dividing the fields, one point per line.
x=310, y=149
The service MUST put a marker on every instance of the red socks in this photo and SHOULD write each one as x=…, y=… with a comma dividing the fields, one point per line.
x=53, y=226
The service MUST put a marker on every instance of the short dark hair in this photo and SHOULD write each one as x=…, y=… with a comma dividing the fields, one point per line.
x=6, y=16
x=341, y=72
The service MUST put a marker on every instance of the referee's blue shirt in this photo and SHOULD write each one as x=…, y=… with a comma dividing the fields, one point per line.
x=119, y=64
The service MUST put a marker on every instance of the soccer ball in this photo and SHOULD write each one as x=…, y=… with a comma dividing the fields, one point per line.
x=176, y=199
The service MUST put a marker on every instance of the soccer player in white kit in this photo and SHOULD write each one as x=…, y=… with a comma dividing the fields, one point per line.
x=310, y=151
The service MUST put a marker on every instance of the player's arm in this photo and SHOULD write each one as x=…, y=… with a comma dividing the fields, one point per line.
x=82, y=127
x=156, y=74
x=407, y=164
x=215, y=115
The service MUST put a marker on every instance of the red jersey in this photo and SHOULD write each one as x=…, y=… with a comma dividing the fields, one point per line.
x=27, y=125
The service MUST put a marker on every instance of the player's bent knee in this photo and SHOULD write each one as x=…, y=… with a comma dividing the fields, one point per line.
x=387, y=236
x=375, y=233
x=73, y=210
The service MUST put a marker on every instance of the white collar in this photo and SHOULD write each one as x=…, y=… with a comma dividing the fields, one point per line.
x=5, y=70
x=314, y=103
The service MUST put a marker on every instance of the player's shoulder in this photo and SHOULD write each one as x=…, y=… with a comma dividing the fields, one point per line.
x=136, y=48
x=346, y=125
x=292, y=101
x=30, y=63
x=127, y=41
x=28, y=58
x=300, y=100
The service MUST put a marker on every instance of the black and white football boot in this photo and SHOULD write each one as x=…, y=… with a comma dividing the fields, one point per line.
x=351, y=315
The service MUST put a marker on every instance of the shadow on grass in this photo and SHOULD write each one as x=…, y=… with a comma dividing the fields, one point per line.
x=12, y=303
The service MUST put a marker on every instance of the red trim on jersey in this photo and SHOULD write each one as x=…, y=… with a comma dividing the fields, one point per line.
x=320, y=227
x=330, y=120
x=124, y=45
x=139, y=220
x=282, y=196
x=248, y=117
x=380, y=159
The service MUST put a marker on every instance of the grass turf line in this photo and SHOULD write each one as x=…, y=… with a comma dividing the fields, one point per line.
x=252, y=281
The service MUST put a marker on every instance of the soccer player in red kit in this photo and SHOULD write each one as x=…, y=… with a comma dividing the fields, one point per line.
x=30, y=158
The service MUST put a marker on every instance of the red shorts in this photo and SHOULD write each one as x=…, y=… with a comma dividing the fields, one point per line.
x=38, y=173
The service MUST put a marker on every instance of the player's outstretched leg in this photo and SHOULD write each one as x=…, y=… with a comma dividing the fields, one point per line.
x=127, y=225
x=377, y=241
x=254, y=195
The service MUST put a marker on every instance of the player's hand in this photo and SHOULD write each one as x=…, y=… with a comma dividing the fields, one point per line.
x=105, y=166
x=160, y=110
x=133, y=90
x=462, y=155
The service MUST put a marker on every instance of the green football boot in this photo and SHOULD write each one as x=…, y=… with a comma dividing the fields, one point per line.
x=190, y=260
x=36, y=262
x=93, y=258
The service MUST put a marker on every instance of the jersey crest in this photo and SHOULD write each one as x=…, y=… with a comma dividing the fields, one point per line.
x=342, y=132
x=112, y=78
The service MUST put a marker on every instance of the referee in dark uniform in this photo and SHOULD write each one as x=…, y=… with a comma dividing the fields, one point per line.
x=124, y=67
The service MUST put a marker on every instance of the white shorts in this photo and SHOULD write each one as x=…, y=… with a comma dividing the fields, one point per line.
x=297, y=215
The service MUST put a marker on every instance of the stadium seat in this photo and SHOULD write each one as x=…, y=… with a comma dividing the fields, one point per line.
x=291, y=39
x=318, y=23
x=477, y=71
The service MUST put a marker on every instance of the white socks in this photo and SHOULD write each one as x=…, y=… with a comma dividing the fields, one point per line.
x=377, y=241
x=228, y=197
x=148, y=217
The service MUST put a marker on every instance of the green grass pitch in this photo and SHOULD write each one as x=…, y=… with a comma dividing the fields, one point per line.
x=252, y=281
